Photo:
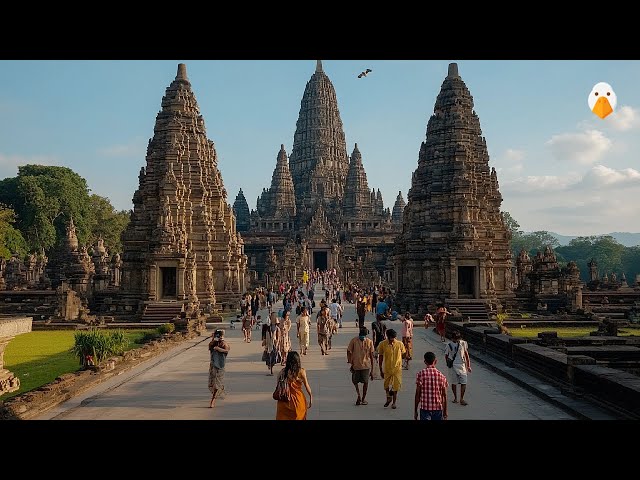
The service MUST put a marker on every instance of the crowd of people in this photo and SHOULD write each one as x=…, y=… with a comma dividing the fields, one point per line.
x=381, y=353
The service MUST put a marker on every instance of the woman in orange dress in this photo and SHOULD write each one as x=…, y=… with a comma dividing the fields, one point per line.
x=296, y=408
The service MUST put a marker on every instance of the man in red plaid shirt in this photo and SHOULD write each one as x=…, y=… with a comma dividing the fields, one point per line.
x=431, y=391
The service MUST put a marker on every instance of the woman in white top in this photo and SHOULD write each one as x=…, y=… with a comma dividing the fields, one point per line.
x=458, y=351
x=304, y=324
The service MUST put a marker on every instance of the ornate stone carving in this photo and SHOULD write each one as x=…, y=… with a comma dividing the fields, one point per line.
x=180, y=209
x=453, y=206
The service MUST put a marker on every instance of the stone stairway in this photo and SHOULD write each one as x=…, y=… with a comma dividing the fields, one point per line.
x=161, y=312
x=474, y=310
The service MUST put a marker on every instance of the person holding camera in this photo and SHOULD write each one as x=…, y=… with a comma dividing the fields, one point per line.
x=218, y=349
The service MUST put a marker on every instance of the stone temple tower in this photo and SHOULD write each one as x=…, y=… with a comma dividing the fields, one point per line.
x=241, y=210
x=454, y=243
x=181, y=244
x=319, y=161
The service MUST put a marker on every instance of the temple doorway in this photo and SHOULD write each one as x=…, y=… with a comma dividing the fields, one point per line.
x=320, y=261
x=466, y=282
x=168, y=282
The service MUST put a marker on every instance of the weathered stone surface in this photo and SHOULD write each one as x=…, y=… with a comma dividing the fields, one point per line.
x=398, y=209
x=181, y=244
x=454, y=242
x=9, y=328
x=319, y=211
x=279, y=201
x=241, y=210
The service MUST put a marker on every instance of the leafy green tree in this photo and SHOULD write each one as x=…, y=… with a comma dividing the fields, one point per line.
x=44, y=199
x=511, y=223
x=11, y=240
x=107, y=222
x=604, y=249
x=531, y=242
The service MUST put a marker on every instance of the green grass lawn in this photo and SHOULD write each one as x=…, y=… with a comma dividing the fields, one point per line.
x=532, y=332
x=37, y=358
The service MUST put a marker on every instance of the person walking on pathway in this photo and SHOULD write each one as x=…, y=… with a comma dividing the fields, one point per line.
x=323, y=327
x=293, y=377
x=303, y=323
x=441, y=319
x=458, y=351
x=247, y=325
x=378, y=331
x=361, y=310
x=431, y=391
x=360, y=356
x=218, y=349
x=285, y=337
x=333, y=310
x=271, y=342
x=390, y=353
x=407, y=338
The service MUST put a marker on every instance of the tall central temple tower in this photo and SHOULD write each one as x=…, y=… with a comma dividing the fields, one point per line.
x=319, y=161
x=319, y=212
x=454, y=242
x=181, y=244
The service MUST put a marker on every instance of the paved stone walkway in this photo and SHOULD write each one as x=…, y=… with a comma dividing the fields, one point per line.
x=173, y=386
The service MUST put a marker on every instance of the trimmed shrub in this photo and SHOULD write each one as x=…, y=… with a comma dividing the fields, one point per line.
x=166, y=328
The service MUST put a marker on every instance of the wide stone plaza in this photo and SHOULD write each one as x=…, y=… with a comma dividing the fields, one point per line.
x=174, y=387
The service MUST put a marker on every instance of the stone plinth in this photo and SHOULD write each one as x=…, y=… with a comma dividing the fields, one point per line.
x=9, y=328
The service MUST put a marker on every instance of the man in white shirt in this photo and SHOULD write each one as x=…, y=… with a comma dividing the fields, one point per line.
x=335, y=309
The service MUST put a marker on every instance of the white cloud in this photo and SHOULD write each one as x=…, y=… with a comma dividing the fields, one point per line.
x=601, y=176
x=583, y=147
x=510, y=162
x=548, y=183
x=134, y=148
x=513, y=156
x=9, y=163
x=624, y=118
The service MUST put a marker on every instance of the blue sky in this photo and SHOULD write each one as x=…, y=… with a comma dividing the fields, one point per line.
x=560, y=167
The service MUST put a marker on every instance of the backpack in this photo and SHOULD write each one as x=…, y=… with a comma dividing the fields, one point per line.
x=323, y=323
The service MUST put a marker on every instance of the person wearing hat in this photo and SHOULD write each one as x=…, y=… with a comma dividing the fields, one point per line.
x=218, y=349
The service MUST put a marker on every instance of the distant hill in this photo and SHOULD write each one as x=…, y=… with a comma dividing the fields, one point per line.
x=625, y=238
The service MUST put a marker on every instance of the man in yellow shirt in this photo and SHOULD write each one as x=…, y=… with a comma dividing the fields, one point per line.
x=390, y=354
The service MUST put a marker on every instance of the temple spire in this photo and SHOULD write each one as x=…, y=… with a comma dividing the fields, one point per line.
x=453, y=71
x=182, y=72
x=319, y=66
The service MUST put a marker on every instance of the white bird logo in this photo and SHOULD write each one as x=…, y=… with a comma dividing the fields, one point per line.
x=602, y=99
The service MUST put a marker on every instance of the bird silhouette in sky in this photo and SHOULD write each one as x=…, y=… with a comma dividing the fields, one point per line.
x=365, y=73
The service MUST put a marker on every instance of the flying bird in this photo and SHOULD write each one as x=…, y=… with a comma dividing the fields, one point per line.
x=365, y=73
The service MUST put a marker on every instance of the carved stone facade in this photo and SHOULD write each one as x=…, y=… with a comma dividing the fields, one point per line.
x=319, y=212
x=541, y=284
x=454, y=243
x=181, y=244
x=398, y=210
x=241, y=210
x=71, y=266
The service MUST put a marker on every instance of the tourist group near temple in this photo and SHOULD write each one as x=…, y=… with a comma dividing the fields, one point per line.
x=190, y=252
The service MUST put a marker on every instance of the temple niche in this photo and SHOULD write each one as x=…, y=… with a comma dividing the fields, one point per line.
x=181, y=245
x=454, y=243
x=319, y=212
